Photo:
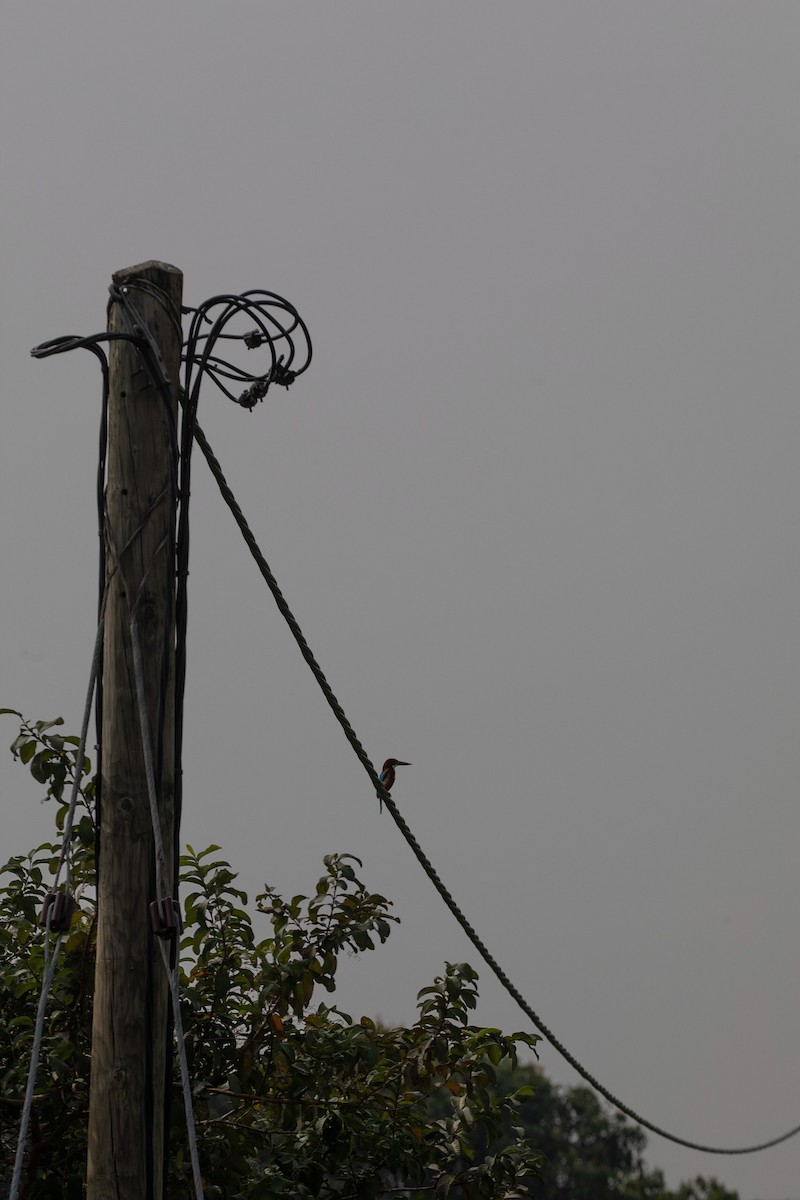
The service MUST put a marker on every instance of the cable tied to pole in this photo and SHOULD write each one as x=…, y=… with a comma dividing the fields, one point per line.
x=253, y=320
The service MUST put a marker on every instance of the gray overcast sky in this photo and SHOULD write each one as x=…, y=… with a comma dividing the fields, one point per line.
x=535, y=503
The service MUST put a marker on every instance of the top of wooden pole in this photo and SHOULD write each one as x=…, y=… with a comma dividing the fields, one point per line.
x=153, y=266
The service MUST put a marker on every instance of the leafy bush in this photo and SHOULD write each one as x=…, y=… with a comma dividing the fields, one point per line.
x=292, y=1096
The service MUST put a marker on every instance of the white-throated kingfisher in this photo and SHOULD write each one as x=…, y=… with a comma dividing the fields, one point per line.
x=387, y=775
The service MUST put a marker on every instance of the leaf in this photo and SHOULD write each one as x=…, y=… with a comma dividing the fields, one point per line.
x=40, y=766
x=281, y=1061
x=41, y=726
x=304, y=989
x=86, y=831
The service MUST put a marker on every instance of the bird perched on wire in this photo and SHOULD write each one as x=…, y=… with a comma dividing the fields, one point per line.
x=387, y=775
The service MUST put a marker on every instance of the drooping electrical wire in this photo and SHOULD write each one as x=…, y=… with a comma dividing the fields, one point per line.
x=420, y=854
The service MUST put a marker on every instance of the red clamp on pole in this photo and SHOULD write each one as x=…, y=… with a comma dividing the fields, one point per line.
x=165, y=918
x=61, y=907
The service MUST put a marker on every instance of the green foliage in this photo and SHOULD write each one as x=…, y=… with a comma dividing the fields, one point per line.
x=62, y=1098
x=292, y=1096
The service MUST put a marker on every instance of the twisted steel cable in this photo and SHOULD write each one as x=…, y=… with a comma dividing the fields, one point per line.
x=420, y=854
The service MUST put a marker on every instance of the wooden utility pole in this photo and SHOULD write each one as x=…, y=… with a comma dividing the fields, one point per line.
x=131, y=1000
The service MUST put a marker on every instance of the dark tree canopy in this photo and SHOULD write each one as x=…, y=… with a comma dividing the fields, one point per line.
x=590, y=1153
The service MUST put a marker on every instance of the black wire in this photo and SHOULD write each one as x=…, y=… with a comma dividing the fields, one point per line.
x=263, y=309
x=101, y=591
x=46, y=350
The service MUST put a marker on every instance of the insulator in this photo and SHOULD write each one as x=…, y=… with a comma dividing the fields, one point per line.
x=60, y=906
x=165, y=917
